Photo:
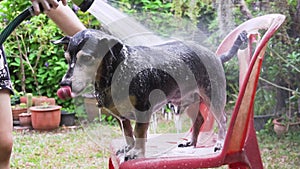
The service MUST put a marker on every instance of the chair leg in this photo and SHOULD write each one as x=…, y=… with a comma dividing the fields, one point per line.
x=249, y=156
x=238, y=166
x=251, y=148
x=110, y=164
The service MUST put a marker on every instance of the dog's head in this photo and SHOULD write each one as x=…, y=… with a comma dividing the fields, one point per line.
x=84, y=54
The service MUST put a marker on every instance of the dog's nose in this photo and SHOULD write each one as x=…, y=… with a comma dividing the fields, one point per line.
x=65, y=83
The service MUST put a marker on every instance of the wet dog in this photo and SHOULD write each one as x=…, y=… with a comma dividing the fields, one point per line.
x=132, y=82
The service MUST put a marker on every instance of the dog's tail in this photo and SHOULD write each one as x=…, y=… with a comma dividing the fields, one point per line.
x=240, y=42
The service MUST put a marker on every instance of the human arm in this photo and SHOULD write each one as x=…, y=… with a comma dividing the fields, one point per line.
x=65, y=19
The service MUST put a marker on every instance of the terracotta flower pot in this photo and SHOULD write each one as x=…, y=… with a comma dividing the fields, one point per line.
x=279, y=127
x=23, y=99
x=45, y=117
x=25, y=119
x=16, y=111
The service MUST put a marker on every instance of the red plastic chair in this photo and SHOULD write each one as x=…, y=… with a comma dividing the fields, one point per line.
x=240, y=149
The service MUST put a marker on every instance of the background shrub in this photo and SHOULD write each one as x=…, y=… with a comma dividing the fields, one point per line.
x=42, y=64
x=36, y=65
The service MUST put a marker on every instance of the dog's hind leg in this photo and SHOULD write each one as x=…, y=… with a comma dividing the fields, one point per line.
x=221, y=121
x=128, y=133
x=194, y=113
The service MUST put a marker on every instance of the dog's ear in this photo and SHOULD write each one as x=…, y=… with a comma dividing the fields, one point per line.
x=63, y=41
x=114, y=45
x=102, y=46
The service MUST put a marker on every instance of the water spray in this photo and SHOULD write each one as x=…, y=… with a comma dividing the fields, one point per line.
x=116, y=22
x=119, y=24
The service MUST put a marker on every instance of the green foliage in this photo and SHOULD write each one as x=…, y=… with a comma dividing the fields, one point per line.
x=14, y=99
x=264, y=95
x=44, y=65
x=281, y=63
x=36, y=65
x=170, y=18
x=147, y=5
x=109, y=119
x=79, y=108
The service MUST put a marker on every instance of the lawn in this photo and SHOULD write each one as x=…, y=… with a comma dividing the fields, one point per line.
x=63, y=148
x=87, y=147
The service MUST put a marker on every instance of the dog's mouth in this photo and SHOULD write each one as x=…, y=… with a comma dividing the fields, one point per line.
x=65, y=92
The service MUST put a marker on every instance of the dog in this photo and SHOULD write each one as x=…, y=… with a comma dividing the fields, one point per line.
x=132, y=82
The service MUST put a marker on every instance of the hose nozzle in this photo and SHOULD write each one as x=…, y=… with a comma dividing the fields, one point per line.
x=84, y=5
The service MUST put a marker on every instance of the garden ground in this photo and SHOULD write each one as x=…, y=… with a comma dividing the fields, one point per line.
x=87, y=147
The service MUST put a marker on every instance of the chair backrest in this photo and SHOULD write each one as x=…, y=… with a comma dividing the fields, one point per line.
x=250, y=65
x=241, y=125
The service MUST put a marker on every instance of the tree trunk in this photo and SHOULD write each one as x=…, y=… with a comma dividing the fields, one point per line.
x=225, y=17
x=245, y=10
x=296, y=22
x=281, y=96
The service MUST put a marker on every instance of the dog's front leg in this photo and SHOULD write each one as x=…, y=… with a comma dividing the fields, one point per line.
x=140, y=134
x=127, y=128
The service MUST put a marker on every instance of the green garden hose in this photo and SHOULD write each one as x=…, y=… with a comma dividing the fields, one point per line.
x=29, y=12
x=12, y=25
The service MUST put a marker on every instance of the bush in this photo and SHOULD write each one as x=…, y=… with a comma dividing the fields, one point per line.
x=35, y=64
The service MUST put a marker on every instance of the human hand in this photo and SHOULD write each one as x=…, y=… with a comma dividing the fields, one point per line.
x=47, y=5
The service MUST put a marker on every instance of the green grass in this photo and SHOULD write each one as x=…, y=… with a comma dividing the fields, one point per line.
x=280, y=152
x=87, y=147
x=72, y=148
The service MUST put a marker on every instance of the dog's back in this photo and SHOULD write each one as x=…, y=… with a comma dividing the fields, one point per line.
x=184, y=73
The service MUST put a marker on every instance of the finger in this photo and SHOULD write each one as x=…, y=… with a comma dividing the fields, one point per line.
x=64, y=2
x=45, y=5
x=53, y=3
x=36, y=7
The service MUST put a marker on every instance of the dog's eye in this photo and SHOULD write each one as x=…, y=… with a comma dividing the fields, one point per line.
x=67, y=56
x=86, y=59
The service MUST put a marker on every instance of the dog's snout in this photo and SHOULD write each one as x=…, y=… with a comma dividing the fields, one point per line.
x=65, y=82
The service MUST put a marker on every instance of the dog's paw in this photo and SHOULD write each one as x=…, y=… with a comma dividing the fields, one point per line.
x=124, y=150
x=134, y=154
x=218, y=146
x=186, y=144
x=243, y=38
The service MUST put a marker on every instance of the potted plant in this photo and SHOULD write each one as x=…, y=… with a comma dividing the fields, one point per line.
x=67, y=118
x=42, y=100
x=291, y=119
x=14, y=99
x=25, y=119
x=45, y=117
x=18, y=109
x=23, y=99
x=285, y=123
x=22, y=107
